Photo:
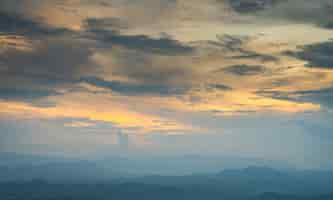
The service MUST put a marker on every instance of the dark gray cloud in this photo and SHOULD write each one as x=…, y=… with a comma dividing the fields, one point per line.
x=218, y=87
x=26, y=94
x=322, y=96
x=134, y=88
x=100, y=32
x=139, y=60
x=317, y=55
x=276, y=95
x=162, y=89
x=232, y=42
x=57, y=57
x=318, y=12
x=235, y=44
x=246, y=54
x=248, y=6
x=19, y=25
x=62, y=57
x=244, y=70
x=327, y=25
x=105, y=23
x=145, y=68
x=52, y=63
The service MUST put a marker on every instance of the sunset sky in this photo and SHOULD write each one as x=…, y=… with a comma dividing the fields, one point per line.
x=245, y=78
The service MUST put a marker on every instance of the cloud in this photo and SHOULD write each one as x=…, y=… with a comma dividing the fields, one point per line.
x=107, y=38
x=248, y=6
x=219, y=87
x=36, y=58
x=52, y=63
x=152, y=71
x=122, y=57
x=323, y=96
x=318, y=12
x=327, y=25
x=134, y=88
x=19, y=25
x=26, y=94
x=318, y=55
x=245, y=54
x=112, y=23
x=244, y=70
x=237, y=44
x=116, y=113
x=80, y=124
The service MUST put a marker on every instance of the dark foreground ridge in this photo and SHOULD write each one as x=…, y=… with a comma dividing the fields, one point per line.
x=39, y=190
x=25, y=177
x=252, y=183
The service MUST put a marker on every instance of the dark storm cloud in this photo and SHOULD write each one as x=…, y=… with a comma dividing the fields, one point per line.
x=105, y=23
x=100, y=29
x=232, y=42
x=144, y=43
x=322, y=96
x=53, y=59
x=319, y=12
x=327, y=25
x=134, y=88
x=61, y=57
x=317, y=55
x=236, y=43
x=277, y=95
x=26, y=94
x=50, y=62
x=248, y=6
x=245, y=70
x=144, y=68
x=36, y=73
x=18, y=25
x=143, y=59
x=246, y=54
x=139, y=58
x=56, y=58
x=218, y=87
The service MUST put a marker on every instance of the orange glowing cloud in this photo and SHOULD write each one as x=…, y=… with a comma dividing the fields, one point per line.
x=112, y=113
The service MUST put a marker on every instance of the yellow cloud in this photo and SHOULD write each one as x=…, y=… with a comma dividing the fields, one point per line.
x=79, y=124
x=95, y=110
x=233, y=102
x=14, y=42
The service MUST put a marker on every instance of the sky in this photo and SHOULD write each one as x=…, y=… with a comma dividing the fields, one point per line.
x=243, y=78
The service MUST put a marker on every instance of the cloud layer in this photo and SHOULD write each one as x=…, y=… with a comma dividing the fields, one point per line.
x=164, y=67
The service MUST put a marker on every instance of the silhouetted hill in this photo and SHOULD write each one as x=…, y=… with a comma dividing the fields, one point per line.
x=77, y=177
x=39, y=190
x=251, y=180
x=277, y=196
